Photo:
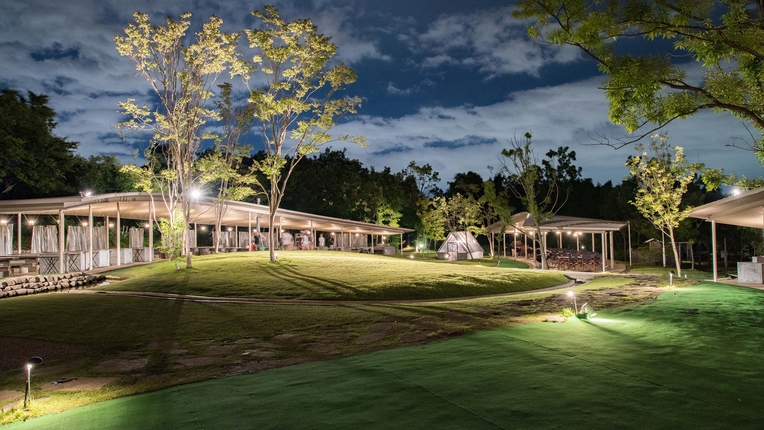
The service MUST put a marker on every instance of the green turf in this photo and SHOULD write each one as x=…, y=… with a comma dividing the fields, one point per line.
x=330, y=276
x=691, y=359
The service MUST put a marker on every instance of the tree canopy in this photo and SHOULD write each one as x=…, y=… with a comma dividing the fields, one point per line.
x=648, y=91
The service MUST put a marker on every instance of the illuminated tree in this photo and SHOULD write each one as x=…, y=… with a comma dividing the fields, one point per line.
x=293, y=101
x=662, y=179
x=181, y=72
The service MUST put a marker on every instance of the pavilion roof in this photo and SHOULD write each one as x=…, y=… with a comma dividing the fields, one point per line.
x=745, y=209
x=524, y=223
x=135, y=205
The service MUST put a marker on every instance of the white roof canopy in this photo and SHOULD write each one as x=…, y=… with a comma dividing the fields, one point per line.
x=524, y=223
x=745, y=209
x=136, y=206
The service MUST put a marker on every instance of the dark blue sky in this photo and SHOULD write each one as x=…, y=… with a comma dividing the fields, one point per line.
x=443, y=82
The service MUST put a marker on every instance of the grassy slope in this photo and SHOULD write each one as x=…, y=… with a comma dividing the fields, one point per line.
x=689, y=360
x=330, y=276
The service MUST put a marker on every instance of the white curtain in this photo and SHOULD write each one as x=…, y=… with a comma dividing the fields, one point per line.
x=44, y=239
x=244, y=239
x=226, y=239
x=76, y=238
x=6, y=239
x=136, y=237
x=99, y=238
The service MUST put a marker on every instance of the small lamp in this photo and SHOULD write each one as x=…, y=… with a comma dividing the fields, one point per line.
x=572, y=294
x=34, y=361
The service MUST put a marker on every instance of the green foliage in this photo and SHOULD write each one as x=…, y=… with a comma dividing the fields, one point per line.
x=568, y=313
x=33, y=162
x=525, y=176
x=295, y=107
x=662, y=179
x=172, y=231
x=181, y=72
x=724, y=36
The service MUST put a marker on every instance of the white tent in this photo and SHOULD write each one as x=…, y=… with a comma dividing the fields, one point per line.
x=460, y=245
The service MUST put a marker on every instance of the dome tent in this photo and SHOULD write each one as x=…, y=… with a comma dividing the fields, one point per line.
x=460, y=245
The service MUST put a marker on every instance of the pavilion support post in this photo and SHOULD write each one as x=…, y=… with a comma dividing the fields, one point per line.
x=280, y=232
x=118, y=227
x=150, y=257
x=525, y=239
x=18, y=235
x=313, y=236
x=628, y=225
x=603, y=253
x=106, y=223
x=594, y=245
x=249, y=225
x=612, y=254
x=90, y=237
x=504, y=236
x=401, y=245
x=61, y=256
x=713, y=248
x=559, y=239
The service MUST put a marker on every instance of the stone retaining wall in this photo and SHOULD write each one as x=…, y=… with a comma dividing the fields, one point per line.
x=24, y=285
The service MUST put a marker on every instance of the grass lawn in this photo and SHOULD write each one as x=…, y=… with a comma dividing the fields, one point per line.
x=690, y=359
x=327, y=275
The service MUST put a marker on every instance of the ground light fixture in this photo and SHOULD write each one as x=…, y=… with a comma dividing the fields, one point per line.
x=671, y=279
x=575, y=305
x=34, y=361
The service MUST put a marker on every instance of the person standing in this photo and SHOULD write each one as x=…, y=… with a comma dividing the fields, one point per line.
x=321, y=242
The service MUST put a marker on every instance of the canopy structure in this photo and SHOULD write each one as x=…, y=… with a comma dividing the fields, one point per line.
x=137, y=206
x=460, y=245
x=522, y=223
x=745, y=210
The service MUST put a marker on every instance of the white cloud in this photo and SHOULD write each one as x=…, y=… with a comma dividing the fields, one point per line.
x=565, y=115
x=490, y=40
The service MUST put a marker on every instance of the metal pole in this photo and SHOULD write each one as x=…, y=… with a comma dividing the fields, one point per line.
x=90, y=237
x=628, y=224
x=118, y=227
x=713, y=246
x=61, y=256
x=29, y=385
x=603, y=252
x=150, y=257
x=612, y=254
x=18, y=234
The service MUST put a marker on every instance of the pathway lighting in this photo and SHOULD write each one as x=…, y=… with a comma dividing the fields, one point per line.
x=34, y=361
x=572, y=294
x=411, y=256
x=671, y=279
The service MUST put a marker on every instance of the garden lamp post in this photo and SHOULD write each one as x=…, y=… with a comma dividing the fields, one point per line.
x=30, y=363
x=575, y=305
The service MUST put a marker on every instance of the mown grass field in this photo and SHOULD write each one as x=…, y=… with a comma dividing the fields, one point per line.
x=327, y=275
x=186, y=341
x=690, y=359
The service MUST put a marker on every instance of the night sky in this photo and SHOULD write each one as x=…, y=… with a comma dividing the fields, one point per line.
x=445, y=83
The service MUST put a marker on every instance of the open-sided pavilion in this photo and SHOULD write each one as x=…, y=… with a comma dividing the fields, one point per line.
x=523, y=224
x=145, y=207
x=745, y=210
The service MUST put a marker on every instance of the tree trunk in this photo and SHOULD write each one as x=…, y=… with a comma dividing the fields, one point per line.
x=677, y=261
x=186, y=245
x=542, y=246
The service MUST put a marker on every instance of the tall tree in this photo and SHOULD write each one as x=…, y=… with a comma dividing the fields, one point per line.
x=295, y=107
x=222, y=165
x=181, y=72
x=34, y=162
x=647, y=92
x=662, y=180
x=525, y=175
